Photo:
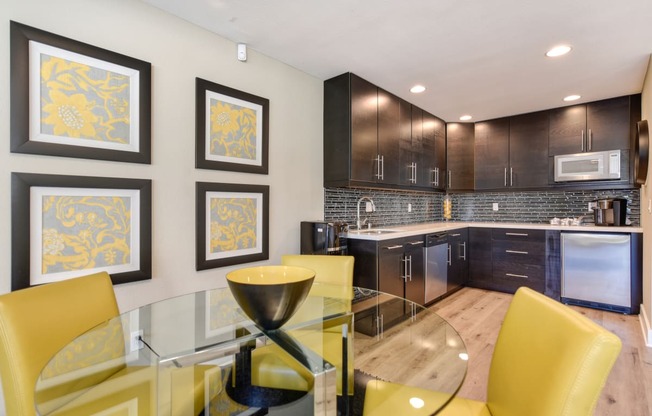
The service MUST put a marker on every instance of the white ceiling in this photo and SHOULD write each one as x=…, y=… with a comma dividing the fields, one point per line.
x=479, y=57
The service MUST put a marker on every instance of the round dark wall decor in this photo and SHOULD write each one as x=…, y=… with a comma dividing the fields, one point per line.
x=641, y=152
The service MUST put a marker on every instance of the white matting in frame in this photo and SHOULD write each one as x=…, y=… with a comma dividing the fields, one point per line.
x=116, y=127
x=234, y=224
x=80, y=231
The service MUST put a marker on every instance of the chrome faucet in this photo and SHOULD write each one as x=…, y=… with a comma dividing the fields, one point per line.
x=373, y=208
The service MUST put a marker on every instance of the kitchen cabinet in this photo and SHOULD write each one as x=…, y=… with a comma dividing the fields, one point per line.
x=528, y=149
x=420, y=165
x=512, y=152
x=458, y=268
x=411, y=136
x=504, y=259
x=491, y=154
x=432, y=158
x=459, y=156
x=394, y=266
x=593, y=127
x=361, y=144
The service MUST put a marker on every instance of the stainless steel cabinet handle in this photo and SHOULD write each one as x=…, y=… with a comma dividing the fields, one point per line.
x=382, y=167
x=378, y=174
x=582, y=140
x=518, y=234
x=505, y=177
x=516, y=275
x=511, y=177
x=414, y=172
x=463, y=257
x=405, y=273
x=409, y=262
x=436, y=176
x=449, y=255
x=415, y=243
x=590, y=145
x=516, y=252
x=393, y=247
x=455, y=235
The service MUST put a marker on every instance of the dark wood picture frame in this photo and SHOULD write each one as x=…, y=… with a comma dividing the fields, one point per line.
x=21, y=204
x=237, y=256
x=204, y=89
x=22, y=140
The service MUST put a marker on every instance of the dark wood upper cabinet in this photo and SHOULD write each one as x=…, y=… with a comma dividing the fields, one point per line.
x=459, y=156
x=389, y=133
x=593, y=127
x=406, y=154
x=364, y=130
x=528, y=150
x=492, y=154
x=439, y=180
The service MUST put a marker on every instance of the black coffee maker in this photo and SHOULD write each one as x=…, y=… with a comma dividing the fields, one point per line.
x=321, y=237
x=610, y=211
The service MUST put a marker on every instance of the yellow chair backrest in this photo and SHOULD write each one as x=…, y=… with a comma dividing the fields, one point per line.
x=35, y=323
x=334, y=270
x=548, y=360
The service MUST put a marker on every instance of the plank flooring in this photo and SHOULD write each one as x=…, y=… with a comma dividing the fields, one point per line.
x=477, y=315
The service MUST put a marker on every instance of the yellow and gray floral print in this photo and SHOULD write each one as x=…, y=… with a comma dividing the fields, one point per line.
x=85, y=232
x=83, y=102
x=233, y=224
x=232, y=130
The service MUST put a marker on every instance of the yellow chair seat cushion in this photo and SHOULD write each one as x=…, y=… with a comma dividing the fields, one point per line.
x=383, y=398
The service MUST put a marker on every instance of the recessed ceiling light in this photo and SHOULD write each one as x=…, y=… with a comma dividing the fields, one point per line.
x=466, y=117
x=572, y=97
x=417, y=89
x=558, y=51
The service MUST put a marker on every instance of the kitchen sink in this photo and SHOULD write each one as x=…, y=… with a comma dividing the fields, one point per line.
x=375, y=231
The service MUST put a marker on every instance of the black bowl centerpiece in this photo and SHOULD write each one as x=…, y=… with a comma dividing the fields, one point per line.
x=270, y=295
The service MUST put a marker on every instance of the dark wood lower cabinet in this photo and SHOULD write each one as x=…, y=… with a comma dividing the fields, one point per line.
x=504, y=259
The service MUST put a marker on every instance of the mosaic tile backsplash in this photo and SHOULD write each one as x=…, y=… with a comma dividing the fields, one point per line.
x=340, y=204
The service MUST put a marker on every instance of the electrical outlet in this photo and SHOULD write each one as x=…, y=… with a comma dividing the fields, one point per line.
x=368, y=207
x=495, y=206
x=135, y=342
x=409, y=207
x=592, y=205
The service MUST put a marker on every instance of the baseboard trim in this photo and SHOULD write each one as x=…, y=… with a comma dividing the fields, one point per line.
x=645, y=327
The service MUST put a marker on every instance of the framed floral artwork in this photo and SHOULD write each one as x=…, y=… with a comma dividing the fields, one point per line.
x=232, y=224
x=70, y=226
x=76, y=100
x=232, y=129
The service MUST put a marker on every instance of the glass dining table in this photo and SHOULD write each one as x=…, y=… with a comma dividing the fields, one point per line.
x=199, y=354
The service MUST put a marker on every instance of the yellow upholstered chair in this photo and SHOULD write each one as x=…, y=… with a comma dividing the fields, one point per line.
x=549, y=360
x=37, y=322
x=271, y=368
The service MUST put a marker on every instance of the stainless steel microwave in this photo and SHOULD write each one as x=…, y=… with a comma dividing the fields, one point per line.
x=588, y=166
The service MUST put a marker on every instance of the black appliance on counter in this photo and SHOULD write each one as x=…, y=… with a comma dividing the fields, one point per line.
x=611, y=211
x=320, y=237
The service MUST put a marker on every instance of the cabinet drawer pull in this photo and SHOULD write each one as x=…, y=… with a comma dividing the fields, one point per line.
x=393, y=247
x=516, y=252
x=518, y=234
x=463, y=257
x=415, y=243
x=455, y=235
x=516, y=275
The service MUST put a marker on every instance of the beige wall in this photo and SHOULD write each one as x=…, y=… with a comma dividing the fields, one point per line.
x=646, y=214
x=178, y=52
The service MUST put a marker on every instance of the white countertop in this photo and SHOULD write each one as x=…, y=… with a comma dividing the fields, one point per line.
x=434, y=227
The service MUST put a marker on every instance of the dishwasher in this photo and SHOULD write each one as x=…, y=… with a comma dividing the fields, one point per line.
x=596, y=270
x=436, y=266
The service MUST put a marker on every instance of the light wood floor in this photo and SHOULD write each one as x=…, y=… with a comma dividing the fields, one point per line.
x=477, y=315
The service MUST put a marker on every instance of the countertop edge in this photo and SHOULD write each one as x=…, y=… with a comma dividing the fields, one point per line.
x=435, y=227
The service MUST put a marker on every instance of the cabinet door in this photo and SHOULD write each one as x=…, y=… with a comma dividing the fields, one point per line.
x=388, y=136
x=480, y=258
x=608, y=124
x=415, y=286
x=391, y=269
x=364, y=129
x=459, y=267
x=528, y=150
x=491, y=154
x=426, y=162
x=459, y=156
x=405, y=143
x=440, y=153
x=567, y=130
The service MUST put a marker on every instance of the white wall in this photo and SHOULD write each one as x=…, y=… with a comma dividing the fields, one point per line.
x=178, y=52
x=646, y=215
